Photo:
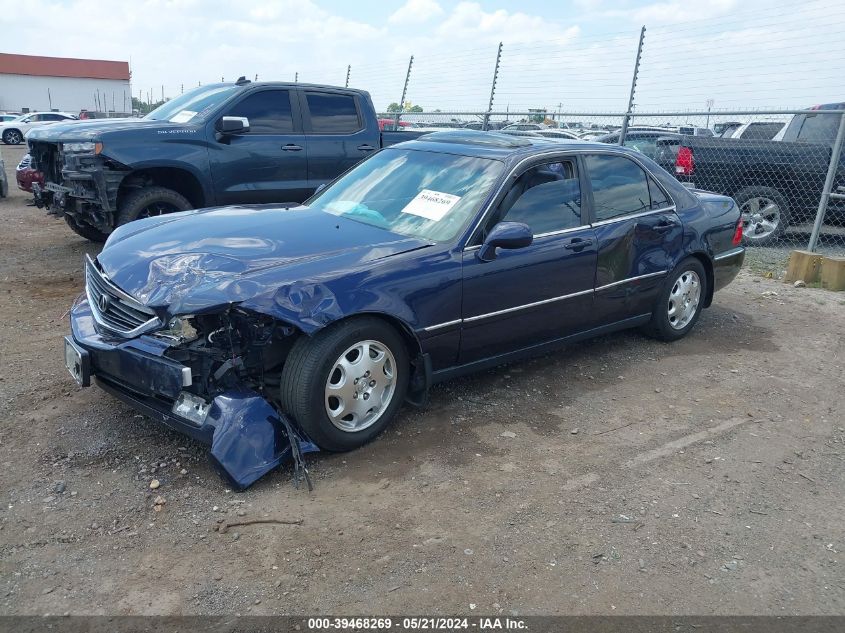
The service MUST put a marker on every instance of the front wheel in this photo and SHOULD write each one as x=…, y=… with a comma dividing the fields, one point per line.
x=680, y=303
x=150, y=202
x=344, y=384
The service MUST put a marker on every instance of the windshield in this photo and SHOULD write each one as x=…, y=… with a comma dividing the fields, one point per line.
x=418, y=193
x=193, y=105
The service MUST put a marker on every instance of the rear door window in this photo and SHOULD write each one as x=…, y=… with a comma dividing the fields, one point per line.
x=332, y=113
x=620, y=186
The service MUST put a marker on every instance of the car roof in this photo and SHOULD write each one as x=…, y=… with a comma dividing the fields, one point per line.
x=494, y=144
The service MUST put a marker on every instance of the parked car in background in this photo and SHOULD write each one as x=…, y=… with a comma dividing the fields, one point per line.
x=12, y=132
x=265, y=331
x=759, y=130
x=4, y=181
x=524, y=127
x=26, y=176
x=8, y=117
x=219, y=144
x=775, y=182
x=643, y=141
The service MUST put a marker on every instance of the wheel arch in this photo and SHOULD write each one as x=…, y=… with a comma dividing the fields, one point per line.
x=707, y=263
x=181, y=180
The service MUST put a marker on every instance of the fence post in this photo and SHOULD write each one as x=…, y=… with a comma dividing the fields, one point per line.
x=624, y=131
x=404, y=92
x=348, y=70
x=835, y=159
x=486, y=122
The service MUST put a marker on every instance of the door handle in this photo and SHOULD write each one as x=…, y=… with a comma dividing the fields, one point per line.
x=577, y=243
x=664, y=226
x=366, y=147
x=290, y=147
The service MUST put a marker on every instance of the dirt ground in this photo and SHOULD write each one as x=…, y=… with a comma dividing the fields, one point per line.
x=620, y=476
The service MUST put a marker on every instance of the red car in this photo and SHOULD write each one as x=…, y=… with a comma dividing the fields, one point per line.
x=26, y=175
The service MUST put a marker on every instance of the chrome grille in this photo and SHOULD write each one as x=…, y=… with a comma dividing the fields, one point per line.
x=114, y=310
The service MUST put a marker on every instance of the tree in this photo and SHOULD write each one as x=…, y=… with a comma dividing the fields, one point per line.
x=394, y=107
x=415, y=108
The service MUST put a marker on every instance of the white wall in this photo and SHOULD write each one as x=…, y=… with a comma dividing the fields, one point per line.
x=66, y=93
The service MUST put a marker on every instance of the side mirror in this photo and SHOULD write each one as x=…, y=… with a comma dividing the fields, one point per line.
x=505, y=235
x=233, y=125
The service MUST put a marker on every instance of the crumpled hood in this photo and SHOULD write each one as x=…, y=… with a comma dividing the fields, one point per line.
x=94, y=129
x=196, y=260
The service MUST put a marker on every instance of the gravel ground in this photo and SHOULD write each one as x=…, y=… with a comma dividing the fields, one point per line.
x=619, y=476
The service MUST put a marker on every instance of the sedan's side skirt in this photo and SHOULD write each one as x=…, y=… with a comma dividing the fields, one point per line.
x=536, y=350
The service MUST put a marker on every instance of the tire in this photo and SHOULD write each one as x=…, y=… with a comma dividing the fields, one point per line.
x=86, y=230
x=759, y=226
x=149, y=202
x=680, y=302
x=12, y=137
x=307, y=395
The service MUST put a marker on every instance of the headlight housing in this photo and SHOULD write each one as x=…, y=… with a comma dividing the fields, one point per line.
x=86, y=147
x=179, y=330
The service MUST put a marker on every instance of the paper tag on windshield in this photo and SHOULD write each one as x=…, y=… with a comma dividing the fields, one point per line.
x=432, y=205
x=183, y=117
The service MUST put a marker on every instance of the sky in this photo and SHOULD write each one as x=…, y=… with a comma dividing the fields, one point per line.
x=562, y=55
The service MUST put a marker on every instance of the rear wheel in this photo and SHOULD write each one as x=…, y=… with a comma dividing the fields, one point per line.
x=680, y=303
x=765, y=215
x=85, y=230
x=345, y=384
x=12, y=137
x=150, y=202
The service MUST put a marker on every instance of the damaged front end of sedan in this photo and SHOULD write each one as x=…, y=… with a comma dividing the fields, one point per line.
x=213, y=376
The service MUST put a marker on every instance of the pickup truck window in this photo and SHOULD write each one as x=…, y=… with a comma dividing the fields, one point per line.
x=332, y=113
x=423, y=194
x=268, y=111
x=818, y=128
x=620, y=187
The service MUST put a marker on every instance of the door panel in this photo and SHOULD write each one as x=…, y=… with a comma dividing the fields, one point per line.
x=264, y=164
x=336, y=134
x=547, y=271
x=637, y=230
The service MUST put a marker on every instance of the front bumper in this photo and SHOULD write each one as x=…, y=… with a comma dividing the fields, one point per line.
x=247, y=435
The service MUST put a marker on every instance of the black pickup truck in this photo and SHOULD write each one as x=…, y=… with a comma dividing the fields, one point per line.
x=776, y=183
x=220, y=144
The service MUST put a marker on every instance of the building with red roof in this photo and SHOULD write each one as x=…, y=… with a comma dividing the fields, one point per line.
x=30, y=83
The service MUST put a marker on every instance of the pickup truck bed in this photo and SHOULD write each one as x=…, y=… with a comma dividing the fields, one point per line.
x=775, y=183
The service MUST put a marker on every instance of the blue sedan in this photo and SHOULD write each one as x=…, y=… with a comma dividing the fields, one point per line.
x=270, y=331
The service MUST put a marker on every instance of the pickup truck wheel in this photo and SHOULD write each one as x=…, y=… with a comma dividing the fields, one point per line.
x=86, y=230
x=344, y=384
x=680, y=302
x=12, y=137
x=150, y=202
x=765, y=215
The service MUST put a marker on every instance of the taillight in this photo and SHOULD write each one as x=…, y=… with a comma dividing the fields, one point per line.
x=684, y=162
x=737, y=240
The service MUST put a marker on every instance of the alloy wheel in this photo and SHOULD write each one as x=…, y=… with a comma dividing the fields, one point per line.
x=760, y=218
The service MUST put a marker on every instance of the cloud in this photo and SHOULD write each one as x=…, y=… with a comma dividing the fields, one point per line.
x=469, y=22
x=416, y=12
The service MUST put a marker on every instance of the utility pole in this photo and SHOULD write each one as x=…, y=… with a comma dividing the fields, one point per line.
x=710, y=103
x=624, y=131
x=486, y=122
x=348, y=70
x=404, y=92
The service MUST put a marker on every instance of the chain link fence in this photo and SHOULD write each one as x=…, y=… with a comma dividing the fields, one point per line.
x=784, y=168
